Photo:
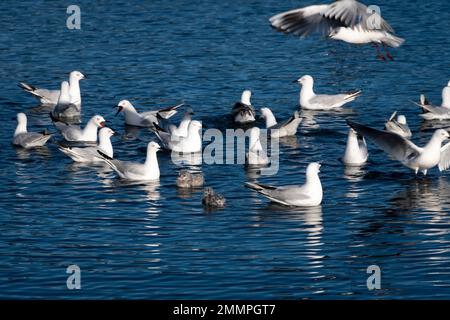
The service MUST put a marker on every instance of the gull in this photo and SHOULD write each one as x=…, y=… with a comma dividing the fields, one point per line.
x=182, y=129
x=311, y=101
x=346, y=20
x=50, y=97
x=432, y=112
x=283, y=129
x=307, y=195
x=64, y=108
x=401, y=149
x=256, y=156
x=90, y=154
x=192, y=142
x=26, y=139
x=187, y=179
x=211, y=199
x=243, y=111
x=356, y=150
x=398, y=125
x=72, y=132
x=143, y=119
x=149, y=170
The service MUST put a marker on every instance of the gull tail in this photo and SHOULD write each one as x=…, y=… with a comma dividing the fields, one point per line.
x=260, y=188
x=393, y=41
x=29, y=88
x=352, y=95
x=166, y=113
x=110, y=162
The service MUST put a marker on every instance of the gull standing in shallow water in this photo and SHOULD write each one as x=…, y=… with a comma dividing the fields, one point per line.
x=90, y=154
x=356, y=153
x=243, y=111
x=149, y=170
x=401, y=149
x=398, y=125
x=143, y=119
x=50, y=97
x=431, y=112
x=283, y=129
x=307, y=195
x=256, y=156
x=25, y=139
x=311, y=101
x=72, y=132
x=345, y=20
x=189, y=144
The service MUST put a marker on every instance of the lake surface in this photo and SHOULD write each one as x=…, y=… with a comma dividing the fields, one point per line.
x=147, y=241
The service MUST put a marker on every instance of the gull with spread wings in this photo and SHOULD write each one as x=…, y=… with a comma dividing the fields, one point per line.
x=345, y=20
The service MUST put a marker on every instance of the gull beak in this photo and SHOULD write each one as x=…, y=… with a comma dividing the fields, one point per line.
x=118, y=110
x=102, y=124
x=296, y=81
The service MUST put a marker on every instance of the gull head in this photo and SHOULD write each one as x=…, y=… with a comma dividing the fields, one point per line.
x=245, y=97
x=99, y=121
x=189, y=111
x=305, y=80
x=106, y=132
x=123, y=105
x=448, y=84
x=77, y=75
x=401, y=119
x=313, y=168
x=441, y=134
x=153, y=146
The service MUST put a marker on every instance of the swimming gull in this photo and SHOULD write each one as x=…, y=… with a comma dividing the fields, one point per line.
x=311, y=101
x=356, y=149
x=72, y=132
x=90, y=154
x=307, y=195
x=243, y=111
x=143, y=119
x=149, y=170
x=256, y=156
x=191, y=143
x=282, y=129
x=26, y=139
x=398, y=125
x=432, y=112
x=50, y=97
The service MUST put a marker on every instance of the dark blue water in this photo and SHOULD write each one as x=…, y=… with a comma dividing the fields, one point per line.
x=154, y=242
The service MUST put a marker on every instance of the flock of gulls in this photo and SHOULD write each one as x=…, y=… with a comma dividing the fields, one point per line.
x=345, y=20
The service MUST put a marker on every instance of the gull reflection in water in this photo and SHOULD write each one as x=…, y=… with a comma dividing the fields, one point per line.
x=290, y=141
x=423, y=194
x=25, y=154
x=182, y=159
x=308, y=119
x=150, y=188
x=131, y=132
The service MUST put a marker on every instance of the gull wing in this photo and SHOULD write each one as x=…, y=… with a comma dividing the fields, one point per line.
x=352, y=13
x=444, y=163
x=303, y=21
x=395, y=145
